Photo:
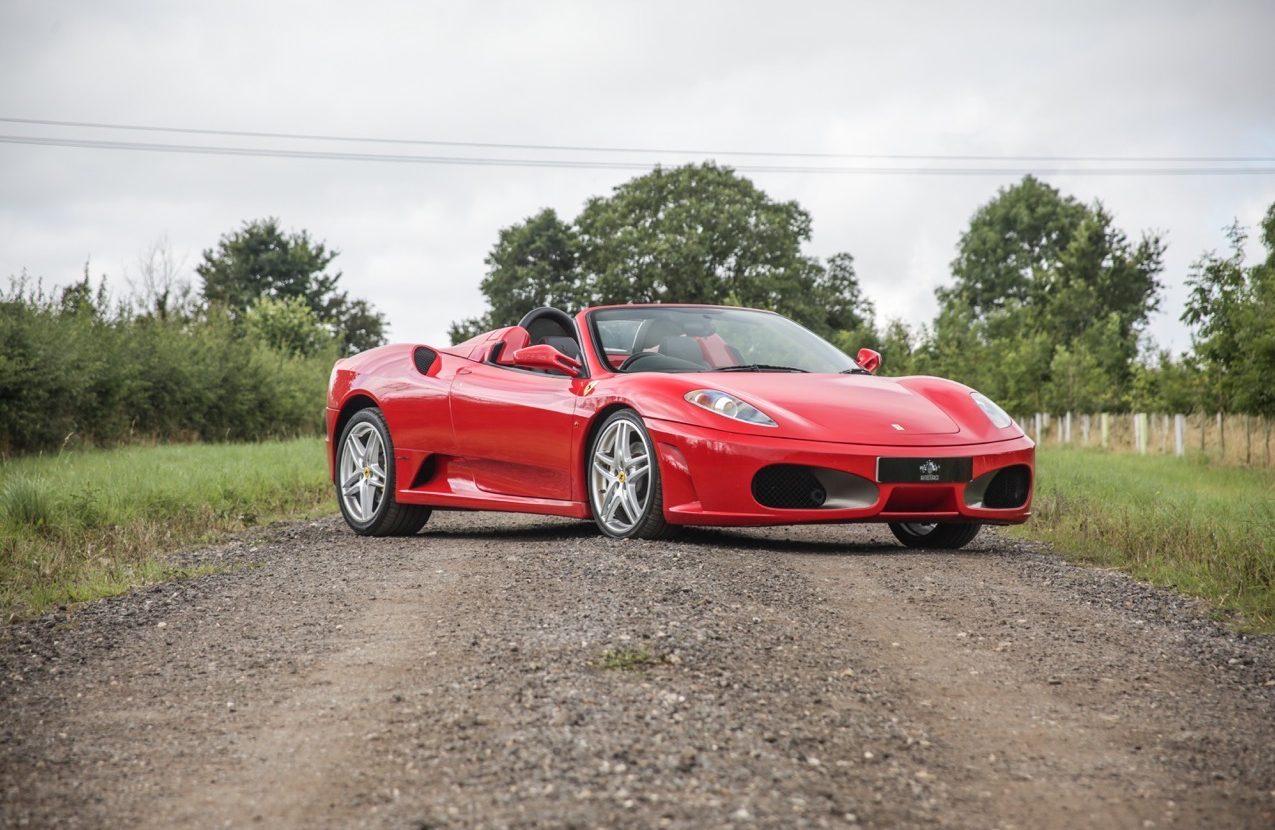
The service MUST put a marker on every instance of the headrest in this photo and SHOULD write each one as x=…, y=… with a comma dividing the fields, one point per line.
x=566, y=345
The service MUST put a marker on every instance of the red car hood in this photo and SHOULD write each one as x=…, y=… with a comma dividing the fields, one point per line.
x=853, y=409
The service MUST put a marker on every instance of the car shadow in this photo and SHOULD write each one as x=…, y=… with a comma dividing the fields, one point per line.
x=548, y=530
x=691, y=537
x=734, y=539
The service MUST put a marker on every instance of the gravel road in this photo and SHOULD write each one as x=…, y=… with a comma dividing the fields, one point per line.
x=519, y=671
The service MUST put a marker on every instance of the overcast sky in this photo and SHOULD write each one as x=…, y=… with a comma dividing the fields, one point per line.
x=1061, y=79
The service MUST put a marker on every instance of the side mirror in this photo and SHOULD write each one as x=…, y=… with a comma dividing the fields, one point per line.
x=547, y=357
x=869, y=359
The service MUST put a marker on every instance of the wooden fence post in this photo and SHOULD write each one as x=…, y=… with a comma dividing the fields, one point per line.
x=1037, y=425
x=1105, y=427
x=1067, y=428
x=1143, y=429
x=1179, y=435
x=1084, y=429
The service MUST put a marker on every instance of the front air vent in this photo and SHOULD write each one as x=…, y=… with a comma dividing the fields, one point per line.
x=1008, y=488
x=788, y=486
x=795, y=487
x=1003, y=489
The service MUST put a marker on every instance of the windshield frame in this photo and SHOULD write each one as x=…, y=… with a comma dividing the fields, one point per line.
x=599, y=350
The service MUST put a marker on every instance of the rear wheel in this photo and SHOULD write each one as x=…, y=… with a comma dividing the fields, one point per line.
x=624, y=480
x=365, y=480
x=934, y=534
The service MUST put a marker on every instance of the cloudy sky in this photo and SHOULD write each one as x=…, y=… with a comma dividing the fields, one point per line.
x=1110, y=79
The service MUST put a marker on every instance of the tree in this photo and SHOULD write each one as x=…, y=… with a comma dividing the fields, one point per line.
x=1045, y=284
x=696, y=233
x=260, y=260
x=1232, y=309
x=286, y=325
x=840, y=300
x=532, y=264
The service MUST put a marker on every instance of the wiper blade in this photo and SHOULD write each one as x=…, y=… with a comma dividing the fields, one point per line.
x=854, y=370
x=758, y=367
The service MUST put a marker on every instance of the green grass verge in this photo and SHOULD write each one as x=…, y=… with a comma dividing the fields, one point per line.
x=82, y=525
x=1204, y=530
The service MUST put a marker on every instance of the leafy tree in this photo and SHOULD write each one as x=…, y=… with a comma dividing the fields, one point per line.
x=840, y=299
x=286, y=325
x=532, y=264
x=1045, y=284
x=696, y=233
x=1011, y=239
x=1164, y=383
x=261, y=260
x=1232, y=308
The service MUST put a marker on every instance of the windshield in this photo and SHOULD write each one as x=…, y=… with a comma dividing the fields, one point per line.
x=689, y=339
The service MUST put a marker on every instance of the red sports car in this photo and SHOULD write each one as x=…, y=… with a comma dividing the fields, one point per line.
x=646, y=418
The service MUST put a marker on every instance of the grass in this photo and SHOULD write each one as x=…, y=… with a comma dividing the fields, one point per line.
x=82, y=525
x=1204, y=530
x=628, y=659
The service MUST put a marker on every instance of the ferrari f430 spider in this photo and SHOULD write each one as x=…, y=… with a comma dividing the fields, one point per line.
x=648, y=418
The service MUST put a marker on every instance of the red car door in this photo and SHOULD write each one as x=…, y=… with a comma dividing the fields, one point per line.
x=514, y=429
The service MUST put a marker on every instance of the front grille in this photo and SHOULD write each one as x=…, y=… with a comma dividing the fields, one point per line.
x=1008, y=488
x=788, y=486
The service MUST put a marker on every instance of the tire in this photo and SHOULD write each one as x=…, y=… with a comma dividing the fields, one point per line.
x=386, y=517
x=606, y=469
x=940, y=536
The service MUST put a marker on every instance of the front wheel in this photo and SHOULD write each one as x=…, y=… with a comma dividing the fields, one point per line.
x=624, y=480
x=935, y=535
x=365, y=480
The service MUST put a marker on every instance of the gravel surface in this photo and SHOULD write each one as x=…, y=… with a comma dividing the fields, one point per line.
x=516, y=671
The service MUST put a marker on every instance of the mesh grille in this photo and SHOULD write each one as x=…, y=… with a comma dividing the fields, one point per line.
x=424, y=359
x=1008, y=488
x=788, y=486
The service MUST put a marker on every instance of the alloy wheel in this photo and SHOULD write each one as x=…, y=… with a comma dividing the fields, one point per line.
x=362, y=472
x=620, y=476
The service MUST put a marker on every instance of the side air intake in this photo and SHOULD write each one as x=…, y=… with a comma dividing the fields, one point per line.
x=795, y=487
x=424, y=358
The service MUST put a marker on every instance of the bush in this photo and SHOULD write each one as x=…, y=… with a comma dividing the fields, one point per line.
x=75, y=372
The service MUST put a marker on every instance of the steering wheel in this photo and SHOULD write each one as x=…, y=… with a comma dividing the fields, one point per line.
x=631, y=359
x=663, y=362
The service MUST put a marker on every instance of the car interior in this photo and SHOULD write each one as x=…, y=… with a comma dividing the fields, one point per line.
x=685, y=344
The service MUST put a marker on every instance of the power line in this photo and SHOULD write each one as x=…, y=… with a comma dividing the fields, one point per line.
x=486, y=145
x=487, y=161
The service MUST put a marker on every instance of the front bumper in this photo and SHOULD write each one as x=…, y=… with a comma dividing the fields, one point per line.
x=707, y=476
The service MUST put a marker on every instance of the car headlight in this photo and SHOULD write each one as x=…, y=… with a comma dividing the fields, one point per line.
x=729, y=406
x=999, y=417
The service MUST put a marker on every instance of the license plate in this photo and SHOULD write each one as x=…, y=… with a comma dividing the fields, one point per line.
x=924, y=470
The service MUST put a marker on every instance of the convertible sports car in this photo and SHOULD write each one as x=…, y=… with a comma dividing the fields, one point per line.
x=646, y=418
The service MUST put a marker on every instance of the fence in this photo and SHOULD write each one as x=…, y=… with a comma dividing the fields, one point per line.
x=1227, y=439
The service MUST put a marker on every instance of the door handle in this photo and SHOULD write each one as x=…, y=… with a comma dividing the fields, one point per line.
x=463, y=371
